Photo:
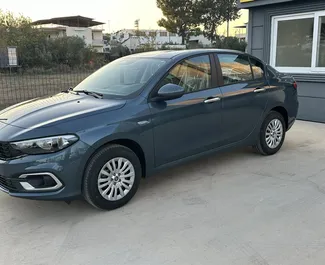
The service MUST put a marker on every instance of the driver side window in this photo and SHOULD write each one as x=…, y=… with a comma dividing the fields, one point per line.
x=193, y=74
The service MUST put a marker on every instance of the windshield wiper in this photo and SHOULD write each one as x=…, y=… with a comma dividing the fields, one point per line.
x=90, y=93
x=69, y=90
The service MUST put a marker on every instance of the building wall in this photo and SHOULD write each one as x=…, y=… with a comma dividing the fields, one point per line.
x=84, y=33
x=311, y=86
x=97, y=35
x=97, y=40
x=161, y=37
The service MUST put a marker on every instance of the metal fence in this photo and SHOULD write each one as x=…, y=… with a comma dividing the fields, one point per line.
x=17, y=84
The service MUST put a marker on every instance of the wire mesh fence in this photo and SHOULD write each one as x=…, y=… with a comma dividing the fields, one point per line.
x=17, y=84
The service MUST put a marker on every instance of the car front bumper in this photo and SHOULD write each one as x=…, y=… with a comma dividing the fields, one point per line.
x=66, y=167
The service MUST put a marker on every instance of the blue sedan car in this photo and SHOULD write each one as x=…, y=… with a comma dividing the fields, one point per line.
x=138, y=115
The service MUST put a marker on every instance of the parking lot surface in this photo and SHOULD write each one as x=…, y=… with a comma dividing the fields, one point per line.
x=231, y=208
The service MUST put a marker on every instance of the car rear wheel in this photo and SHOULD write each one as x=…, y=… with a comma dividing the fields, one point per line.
x=112, y=177
x=272, y=134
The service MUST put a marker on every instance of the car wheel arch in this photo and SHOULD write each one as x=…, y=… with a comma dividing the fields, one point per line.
x=282, y=110
x=127, y=142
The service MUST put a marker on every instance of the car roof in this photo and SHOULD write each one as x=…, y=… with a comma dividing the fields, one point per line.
x=171, y=54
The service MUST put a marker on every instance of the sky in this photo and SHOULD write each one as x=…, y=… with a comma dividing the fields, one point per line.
x=116, y=14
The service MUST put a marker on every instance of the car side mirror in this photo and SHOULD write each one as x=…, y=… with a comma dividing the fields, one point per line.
x=170, y=91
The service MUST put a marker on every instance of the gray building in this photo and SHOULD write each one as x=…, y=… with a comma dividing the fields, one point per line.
x=290, y=36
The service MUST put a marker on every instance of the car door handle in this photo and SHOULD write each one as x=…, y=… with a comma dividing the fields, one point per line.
x=211, y=100
x=259, y=90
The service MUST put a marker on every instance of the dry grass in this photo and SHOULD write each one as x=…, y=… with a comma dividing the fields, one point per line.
x=16, y=88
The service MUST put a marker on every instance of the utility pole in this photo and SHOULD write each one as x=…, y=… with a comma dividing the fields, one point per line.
x=137, y=26
x=109, y=26
x=137, y=30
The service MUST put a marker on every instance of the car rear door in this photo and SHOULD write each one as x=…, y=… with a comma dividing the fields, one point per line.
x=244, y=91
x=188, y=125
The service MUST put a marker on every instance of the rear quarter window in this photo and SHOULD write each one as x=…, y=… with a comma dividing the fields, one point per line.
x=258, y=68
x=271, y=72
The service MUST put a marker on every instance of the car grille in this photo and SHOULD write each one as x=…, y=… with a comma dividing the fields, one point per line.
x=8, y=152
x=7, y=184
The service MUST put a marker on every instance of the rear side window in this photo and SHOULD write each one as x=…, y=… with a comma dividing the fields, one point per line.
x=258, y=68
x=271, y=72
x=235, y=68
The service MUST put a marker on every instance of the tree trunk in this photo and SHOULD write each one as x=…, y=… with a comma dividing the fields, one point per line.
x=228, y=28
x=183, y=39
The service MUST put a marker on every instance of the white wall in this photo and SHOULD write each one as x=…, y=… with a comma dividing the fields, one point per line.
x=54, y=34
x=97, y=35
x=167, y=39
x=124, y=36
x=99, y=48
x=201, y=39
x=132, y=43
x=84, y=33
x=97, y=40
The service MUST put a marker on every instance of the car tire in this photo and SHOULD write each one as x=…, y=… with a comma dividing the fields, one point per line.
x=121, y=166
x=268, y=142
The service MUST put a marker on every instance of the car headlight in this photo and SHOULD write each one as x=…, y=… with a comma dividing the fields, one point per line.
x=45, y=145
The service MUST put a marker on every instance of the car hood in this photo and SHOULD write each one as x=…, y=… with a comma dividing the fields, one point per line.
x=49, y=111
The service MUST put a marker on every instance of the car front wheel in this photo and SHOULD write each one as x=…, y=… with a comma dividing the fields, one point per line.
x=112, y=177
x=272, y=134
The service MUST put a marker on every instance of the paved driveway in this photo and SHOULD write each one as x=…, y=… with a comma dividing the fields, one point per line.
x=235, y=208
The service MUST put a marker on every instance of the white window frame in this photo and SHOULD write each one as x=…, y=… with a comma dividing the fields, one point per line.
x=274, y=38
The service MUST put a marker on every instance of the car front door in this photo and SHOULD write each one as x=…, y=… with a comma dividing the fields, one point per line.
x=190, y=124
x=244, y=91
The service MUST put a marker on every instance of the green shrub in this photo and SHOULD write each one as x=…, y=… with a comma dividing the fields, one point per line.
x=232, y=43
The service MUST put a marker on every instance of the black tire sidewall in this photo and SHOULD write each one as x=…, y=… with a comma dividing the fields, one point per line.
x=262, y=139
x=90, y=188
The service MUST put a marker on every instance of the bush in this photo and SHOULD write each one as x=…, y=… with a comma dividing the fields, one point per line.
x=70, y=51
x=119, y=51
x=232, y=43
x=34, y=49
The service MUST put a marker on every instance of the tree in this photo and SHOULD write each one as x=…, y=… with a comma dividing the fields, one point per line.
x=35, y=49
x=18, y=31
x=180, y=16
x=107, y=37
x=232, y=12
x=232, y=43
x=214, y=13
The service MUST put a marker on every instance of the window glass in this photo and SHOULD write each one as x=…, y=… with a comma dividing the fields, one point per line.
x=235, y=68
x=122, y=77
x=321, y=43
x=192, y=74
x=271, y=72
x=258, y=68
x=295, y=43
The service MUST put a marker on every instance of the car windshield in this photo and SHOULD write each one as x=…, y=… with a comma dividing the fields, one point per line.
x=121, y=77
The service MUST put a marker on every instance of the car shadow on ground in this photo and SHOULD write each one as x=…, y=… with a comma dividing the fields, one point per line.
x=205, y=166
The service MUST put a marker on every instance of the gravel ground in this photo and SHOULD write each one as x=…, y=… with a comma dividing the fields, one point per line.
x=233, y=208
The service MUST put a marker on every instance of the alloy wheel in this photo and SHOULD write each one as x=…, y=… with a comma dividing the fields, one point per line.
x=116, y=178
x=274, y=133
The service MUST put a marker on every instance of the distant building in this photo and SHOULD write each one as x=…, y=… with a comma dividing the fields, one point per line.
x=132, y=39
x=86, y=28
x=241, y=32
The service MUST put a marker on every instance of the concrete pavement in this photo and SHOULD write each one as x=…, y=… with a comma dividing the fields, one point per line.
x=234, y=208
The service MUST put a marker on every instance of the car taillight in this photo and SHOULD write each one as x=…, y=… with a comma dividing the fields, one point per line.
x=295, y=85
